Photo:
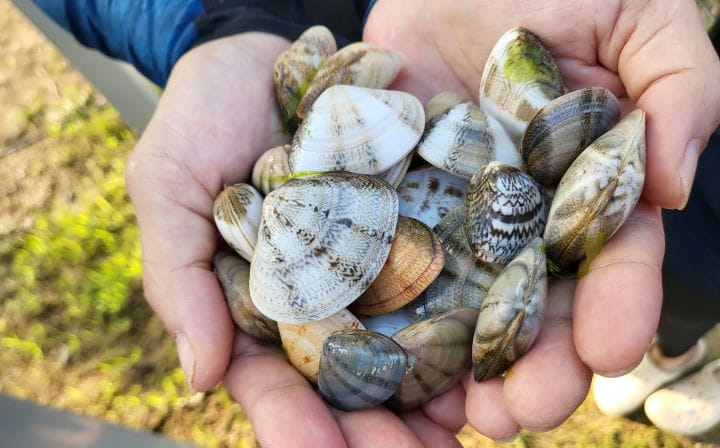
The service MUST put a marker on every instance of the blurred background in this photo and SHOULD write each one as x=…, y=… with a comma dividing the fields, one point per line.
x=75, y=331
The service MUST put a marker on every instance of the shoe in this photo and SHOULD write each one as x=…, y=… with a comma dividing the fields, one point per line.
x=623, y=395
x=690, y=406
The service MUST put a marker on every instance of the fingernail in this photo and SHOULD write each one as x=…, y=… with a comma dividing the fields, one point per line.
x=187, y=359
x=615, y=373
x=507, y=440
x=687, y=169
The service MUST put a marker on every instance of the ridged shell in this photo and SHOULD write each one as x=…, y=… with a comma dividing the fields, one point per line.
x=395, y=174
x=505, y=210
x=237, y=211
x=359, y=369
x=296, y=66
x=563, y=128
x=303, y=343
x=463, y=282
x=441, y=102
x=438, y=353
x=415, y=260
x=519, y=78
x=512, y=313
x=387, y=324
x=463, y=139
x=358, y=64
x=357, y=129
x=322, y=241
x=428, y=194
x=598, y=191
x=234, y=275
x=271, y=170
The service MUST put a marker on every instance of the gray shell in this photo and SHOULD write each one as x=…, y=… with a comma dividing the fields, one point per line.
x=428, y=194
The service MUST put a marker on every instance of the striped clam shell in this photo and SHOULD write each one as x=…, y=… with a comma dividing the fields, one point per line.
x=357, y=129
x=237, y=211
x=359, y=369
x=323, y=240
x=511, y=315
x=395, y=174
x=598, y=191
x=428, y=194
x=505, y=209
x=271, y=170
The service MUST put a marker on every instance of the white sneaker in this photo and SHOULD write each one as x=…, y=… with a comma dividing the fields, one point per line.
x=625, y=394
x=690, y=406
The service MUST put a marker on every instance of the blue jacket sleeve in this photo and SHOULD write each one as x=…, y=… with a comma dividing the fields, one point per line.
x=150, y=34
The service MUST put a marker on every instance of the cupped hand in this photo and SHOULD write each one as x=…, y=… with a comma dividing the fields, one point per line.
x=652, y=55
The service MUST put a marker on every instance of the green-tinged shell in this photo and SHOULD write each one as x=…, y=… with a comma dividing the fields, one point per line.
x=511, y=315
x=598, y=192
x=271, y=170
x=237, y=211
x=565, y=127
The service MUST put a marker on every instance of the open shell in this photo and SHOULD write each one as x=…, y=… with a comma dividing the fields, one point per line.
x=271, y=170
x=237, y=211
x=428, y=194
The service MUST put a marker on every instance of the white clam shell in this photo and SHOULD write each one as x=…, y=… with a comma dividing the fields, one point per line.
x=395, y=174
x=271, y=170
x=388, y=324
x=237, y=211
x=428, y=194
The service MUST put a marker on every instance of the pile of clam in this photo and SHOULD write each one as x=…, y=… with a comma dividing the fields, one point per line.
x=384, y=285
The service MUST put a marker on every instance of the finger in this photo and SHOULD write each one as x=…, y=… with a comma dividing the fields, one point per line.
x=486, y=410
x=284, y=409
x=376, y=427
x=549, y=382
x=448, y=410
x=617, y=304
x=429, y=433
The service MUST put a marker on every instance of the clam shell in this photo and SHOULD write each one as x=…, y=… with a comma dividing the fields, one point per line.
x=428, y=194
x=462, y=139
x=387, y=324
x=359, y=369
x=296, y=66
x=234, y=275
x=598, y=191
x=395, y=174
x=415, y=260
x=357, y=129
x=441, y=102
x=358, y=64
x=464, y=280
x=303, y=343
x=323, y=240
x=237, y=211
x=563, y=128
x=271, y=170
x=512, y=313
x=520, y=77
x=505, y=209
x=438, y=353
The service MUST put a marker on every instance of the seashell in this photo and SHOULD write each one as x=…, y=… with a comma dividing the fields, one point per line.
x=359, y=369
x=520, y=77
x=563, y=128
x=505, y=209
x=359, y=64
x=387, y=324
x=511, y=315
x=415, y=260
x=463, y=139
x=271, y=170
x=464, y=280
x=598, y=191
x=395, y=174
x=237, y=211
x=323, y=240
x=357, y=129
x=438, y=352
x=303, y=343
x=296, y=67
x=234, y=275
x=441, y=102
x=428, y=194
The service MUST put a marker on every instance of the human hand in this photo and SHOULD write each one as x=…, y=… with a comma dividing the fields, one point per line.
x=651, y=55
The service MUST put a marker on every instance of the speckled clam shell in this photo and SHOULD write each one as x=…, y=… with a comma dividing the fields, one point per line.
x=323, y=240
x=463, y=139
x=598, y=192
x=357, y=129
x=438, y=353
x=512, y=313
x=415, y=260
x=395, y=174
x=296, y=66
x=563, y=128
x=519, y=78
x=303, y=343
x=271, y=170
x=234, y=275
x=359, y=64
x=441, y=102
x=359, y=369
x=428, y=194
x=464, y=280
x=505, y=209
x=387, y=324
x=237, y=211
